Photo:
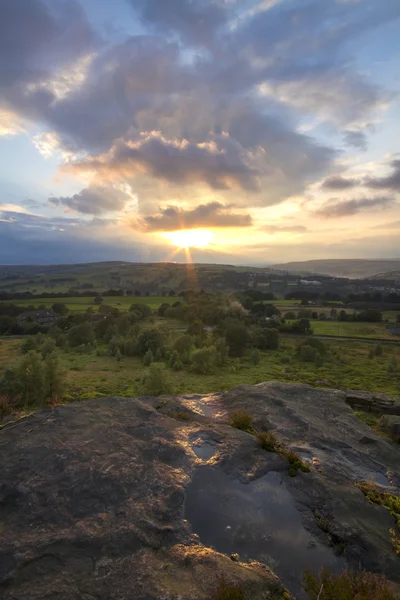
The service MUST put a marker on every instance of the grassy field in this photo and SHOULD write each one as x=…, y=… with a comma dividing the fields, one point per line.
x=352, y=329
x=347, y=366
x=82, y=304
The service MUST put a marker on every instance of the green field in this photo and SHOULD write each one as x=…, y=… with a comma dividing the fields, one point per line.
x=82, y=304
x=352, y=329
x=347, y=366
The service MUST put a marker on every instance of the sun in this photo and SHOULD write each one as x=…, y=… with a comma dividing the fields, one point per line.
x=190, y=238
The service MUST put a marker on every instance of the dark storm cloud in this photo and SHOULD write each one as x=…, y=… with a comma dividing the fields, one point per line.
x=212, y=214
x=94, y=200
x=221, y=163
x=347, y=208
x=337, y=182
x=271, y=229
x=391, y=182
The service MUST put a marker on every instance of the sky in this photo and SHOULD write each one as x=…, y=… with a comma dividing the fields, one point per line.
x=227, y=131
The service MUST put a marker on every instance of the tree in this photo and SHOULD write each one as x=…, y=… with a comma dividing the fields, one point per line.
x=6, y=323
x=60, y=308
x=81, y=334
x=183, y=346
x=31, y=377
x=255, y=357
x=266, y=339
x=237, y=337
x=157, y=382
x=196, y=328
x=222, y=350
x=151, y=339
x=148, y=358
x=204, y=360
x=143, y=309
x=55, y=377
x=98, y=300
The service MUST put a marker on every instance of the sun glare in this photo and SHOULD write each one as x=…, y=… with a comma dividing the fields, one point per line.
x=190, y=238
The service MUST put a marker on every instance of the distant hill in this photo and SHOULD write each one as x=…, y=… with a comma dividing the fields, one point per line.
x=351, y=268
x=390, y=276
x=153, y=278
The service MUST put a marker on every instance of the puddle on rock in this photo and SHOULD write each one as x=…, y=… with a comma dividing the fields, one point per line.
x=205, y=451
x=381, y=479
x=259, y=521
x=207, y=406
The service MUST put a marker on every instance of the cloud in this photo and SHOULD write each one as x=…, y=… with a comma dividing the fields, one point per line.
x=391, y=182
x=271, y=229
x=195, y=21
x=392, y=225
x=221, y=162
x=347, y=208
x=212, y=214
x=337, y=182
x=96, y=200
x=356, y=139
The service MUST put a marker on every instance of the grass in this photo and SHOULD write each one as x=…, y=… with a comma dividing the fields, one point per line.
x=243, y=420
x=348, y=585
x=373, y=421
x=295, y=463
x=352, y=329
x=82, y=304
x=390, y=502
x=268, y=441
x=347, y=367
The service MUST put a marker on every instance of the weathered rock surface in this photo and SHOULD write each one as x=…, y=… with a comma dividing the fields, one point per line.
x=103, y=500
x=373, y=402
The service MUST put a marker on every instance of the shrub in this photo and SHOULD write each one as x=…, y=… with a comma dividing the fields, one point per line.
x=347, y=585
x=148, y=358
x=268, y=441
x=295, y=463
x=158, y=355
x=204, y=360
x=7, y=405
x=378, y=350
x=242, y=419
x=55, y=377
x=255, y=357
x=156, y=381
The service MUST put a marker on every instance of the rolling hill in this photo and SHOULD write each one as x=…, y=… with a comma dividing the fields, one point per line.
x=351, y=268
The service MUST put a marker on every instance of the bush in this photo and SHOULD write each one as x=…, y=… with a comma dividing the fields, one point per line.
x=295, y=463
x=242, y=419
x=204, y=360
x=183, y=346
x=80, y=335
x=255, y=357
x=7, y=405
x=55, y=377
x=348, y=585
x=237, y=337
x=266, y=338
x=156, y=382
x=148, y=358
x=151, y=339
x=378, y=350
x=268, y=441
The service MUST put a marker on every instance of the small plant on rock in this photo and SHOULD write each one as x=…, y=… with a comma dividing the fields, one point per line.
x=241, y=419
x=268, y=441
x=295, y=462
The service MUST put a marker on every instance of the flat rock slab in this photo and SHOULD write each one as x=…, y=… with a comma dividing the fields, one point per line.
x=108, y=499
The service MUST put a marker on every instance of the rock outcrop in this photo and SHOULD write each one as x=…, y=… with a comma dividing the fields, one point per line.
x=129, y=499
